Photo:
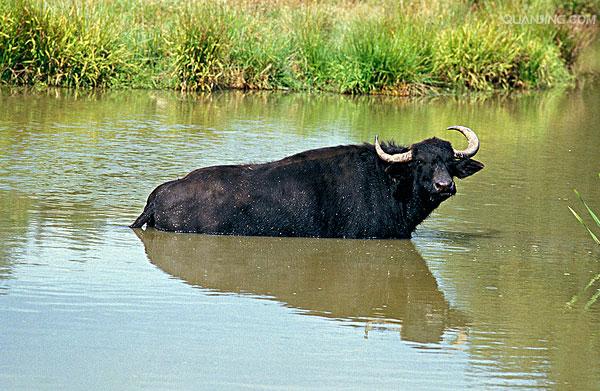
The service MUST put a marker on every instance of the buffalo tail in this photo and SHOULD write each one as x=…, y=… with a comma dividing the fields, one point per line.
x=144, y=218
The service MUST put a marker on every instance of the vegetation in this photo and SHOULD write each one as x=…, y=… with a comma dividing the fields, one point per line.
x=594, y=236
x=383, y=46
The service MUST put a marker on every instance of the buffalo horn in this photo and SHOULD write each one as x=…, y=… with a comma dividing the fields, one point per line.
x=396, y=158
x=473, y=146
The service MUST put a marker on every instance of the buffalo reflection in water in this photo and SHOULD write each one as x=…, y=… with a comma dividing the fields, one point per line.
x=379, y=282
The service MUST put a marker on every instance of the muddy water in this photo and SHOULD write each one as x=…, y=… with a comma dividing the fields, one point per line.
x=476, y=299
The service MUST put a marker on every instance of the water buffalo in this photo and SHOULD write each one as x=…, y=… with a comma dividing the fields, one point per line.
x=349, y=191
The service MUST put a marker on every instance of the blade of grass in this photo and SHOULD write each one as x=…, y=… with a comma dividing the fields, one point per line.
x=585, y=225
x=592, y=214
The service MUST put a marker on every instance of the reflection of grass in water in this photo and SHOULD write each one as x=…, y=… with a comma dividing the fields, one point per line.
x=594, y=236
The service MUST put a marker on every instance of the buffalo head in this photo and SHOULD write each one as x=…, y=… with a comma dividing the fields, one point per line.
x=431, y=166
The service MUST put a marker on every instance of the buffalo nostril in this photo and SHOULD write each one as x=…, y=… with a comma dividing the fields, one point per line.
x=443, y=186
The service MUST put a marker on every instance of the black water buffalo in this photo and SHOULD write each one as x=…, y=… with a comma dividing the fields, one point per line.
x=349, y=191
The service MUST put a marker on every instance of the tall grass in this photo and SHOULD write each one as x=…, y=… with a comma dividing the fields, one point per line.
x=313, y=42
x=337, y=45
x=199, y=45
x=383, y=55
x=484, y=55
x=66, y=49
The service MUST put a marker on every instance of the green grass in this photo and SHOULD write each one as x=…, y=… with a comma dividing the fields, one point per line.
x=371, y=47
x=383, y=55
x=199, y=43
x=38, y=46
x=593, y=216
x=485, y=55
x=594, y=235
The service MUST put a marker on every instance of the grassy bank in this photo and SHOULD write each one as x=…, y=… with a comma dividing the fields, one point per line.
x=344, y=46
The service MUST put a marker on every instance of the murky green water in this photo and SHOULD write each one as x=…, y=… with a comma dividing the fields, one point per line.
x=476, y=299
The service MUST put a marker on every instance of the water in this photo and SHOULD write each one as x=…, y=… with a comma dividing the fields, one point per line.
x=476, y=299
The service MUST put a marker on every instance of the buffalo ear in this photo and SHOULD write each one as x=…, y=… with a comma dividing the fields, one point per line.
x=467, y=167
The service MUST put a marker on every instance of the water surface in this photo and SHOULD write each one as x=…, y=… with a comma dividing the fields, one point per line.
x=476, y=299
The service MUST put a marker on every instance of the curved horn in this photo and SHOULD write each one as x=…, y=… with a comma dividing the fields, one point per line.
x=404, y=157
x=473, y=146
